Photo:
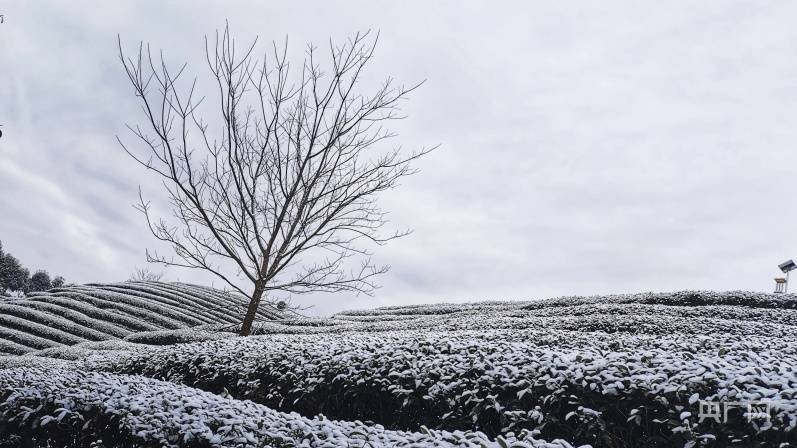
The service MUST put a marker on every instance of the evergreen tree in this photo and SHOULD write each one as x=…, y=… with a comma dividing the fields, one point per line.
x=13, y=276
x=58, y=281
x=40, y=281
x=16, y=278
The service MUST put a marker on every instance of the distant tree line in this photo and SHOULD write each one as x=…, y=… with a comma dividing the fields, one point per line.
x=15, y=278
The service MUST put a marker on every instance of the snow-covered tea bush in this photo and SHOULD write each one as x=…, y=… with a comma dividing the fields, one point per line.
x=58, y=407
x=75, y=314
x=616, y=371
x=573, y=385
x=169, y=337
x=683, y=298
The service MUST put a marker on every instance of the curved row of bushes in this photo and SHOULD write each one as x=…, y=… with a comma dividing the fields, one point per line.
x=629, y=371
x=610, y=318
x=572, y=385
x=679, y=298
x=675, y=298
x=57, y=407
x=74, y=314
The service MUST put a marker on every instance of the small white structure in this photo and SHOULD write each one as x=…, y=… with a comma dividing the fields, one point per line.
x=781, y=283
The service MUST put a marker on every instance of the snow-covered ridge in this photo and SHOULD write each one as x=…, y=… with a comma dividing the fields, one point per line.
x=98, y=312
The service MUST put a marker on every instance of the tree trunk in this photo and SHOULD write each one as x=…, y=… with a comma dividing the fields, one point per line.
x=251, y=311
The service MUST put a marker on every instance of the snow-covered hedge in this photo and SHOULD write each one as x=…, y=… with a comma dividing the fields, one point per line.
x=74, y=314
x=38, y=331
x=96, y=309
x=84, y=350
x=676, y=298
x=624, y=370
x=87, y=316
x=164, y=305
x=573, y=385
x=610, y=318
x=63, y=407
x=53, y=321
x=25, y=339
x=131, y=306
x=673, y=312
x=683, y=298
x=12, y=348
x=169, y=337
x=211, y=311
x=9, y=362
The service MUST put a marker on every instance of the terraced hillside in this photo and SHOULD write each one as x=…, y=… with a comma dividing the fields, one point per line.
x=100, y=312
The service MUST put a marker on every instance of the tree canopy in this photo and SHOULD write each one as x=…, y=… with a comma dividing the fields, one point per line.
x=15, y=278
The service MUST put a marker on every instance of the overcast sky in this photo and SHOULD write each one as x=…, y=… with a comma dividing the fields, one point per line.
x=586, y=147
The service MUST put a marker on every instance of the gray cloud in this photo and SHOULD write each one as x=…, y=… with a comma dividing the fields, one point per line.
x=586, y=147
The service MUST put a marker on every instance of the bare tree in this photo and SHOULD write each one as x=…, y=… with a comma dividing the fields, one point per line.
x=282, y=191
x=145, y=275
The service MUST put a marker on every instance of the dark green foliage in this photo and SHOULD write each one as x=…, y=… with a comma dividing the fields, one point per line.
x=58, y=282
x=13, y=276
x=16, y=278
x=40, y=281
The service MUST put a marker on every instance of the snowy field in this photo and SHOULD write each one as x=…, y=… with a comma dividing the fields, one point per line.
x=611, y=371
